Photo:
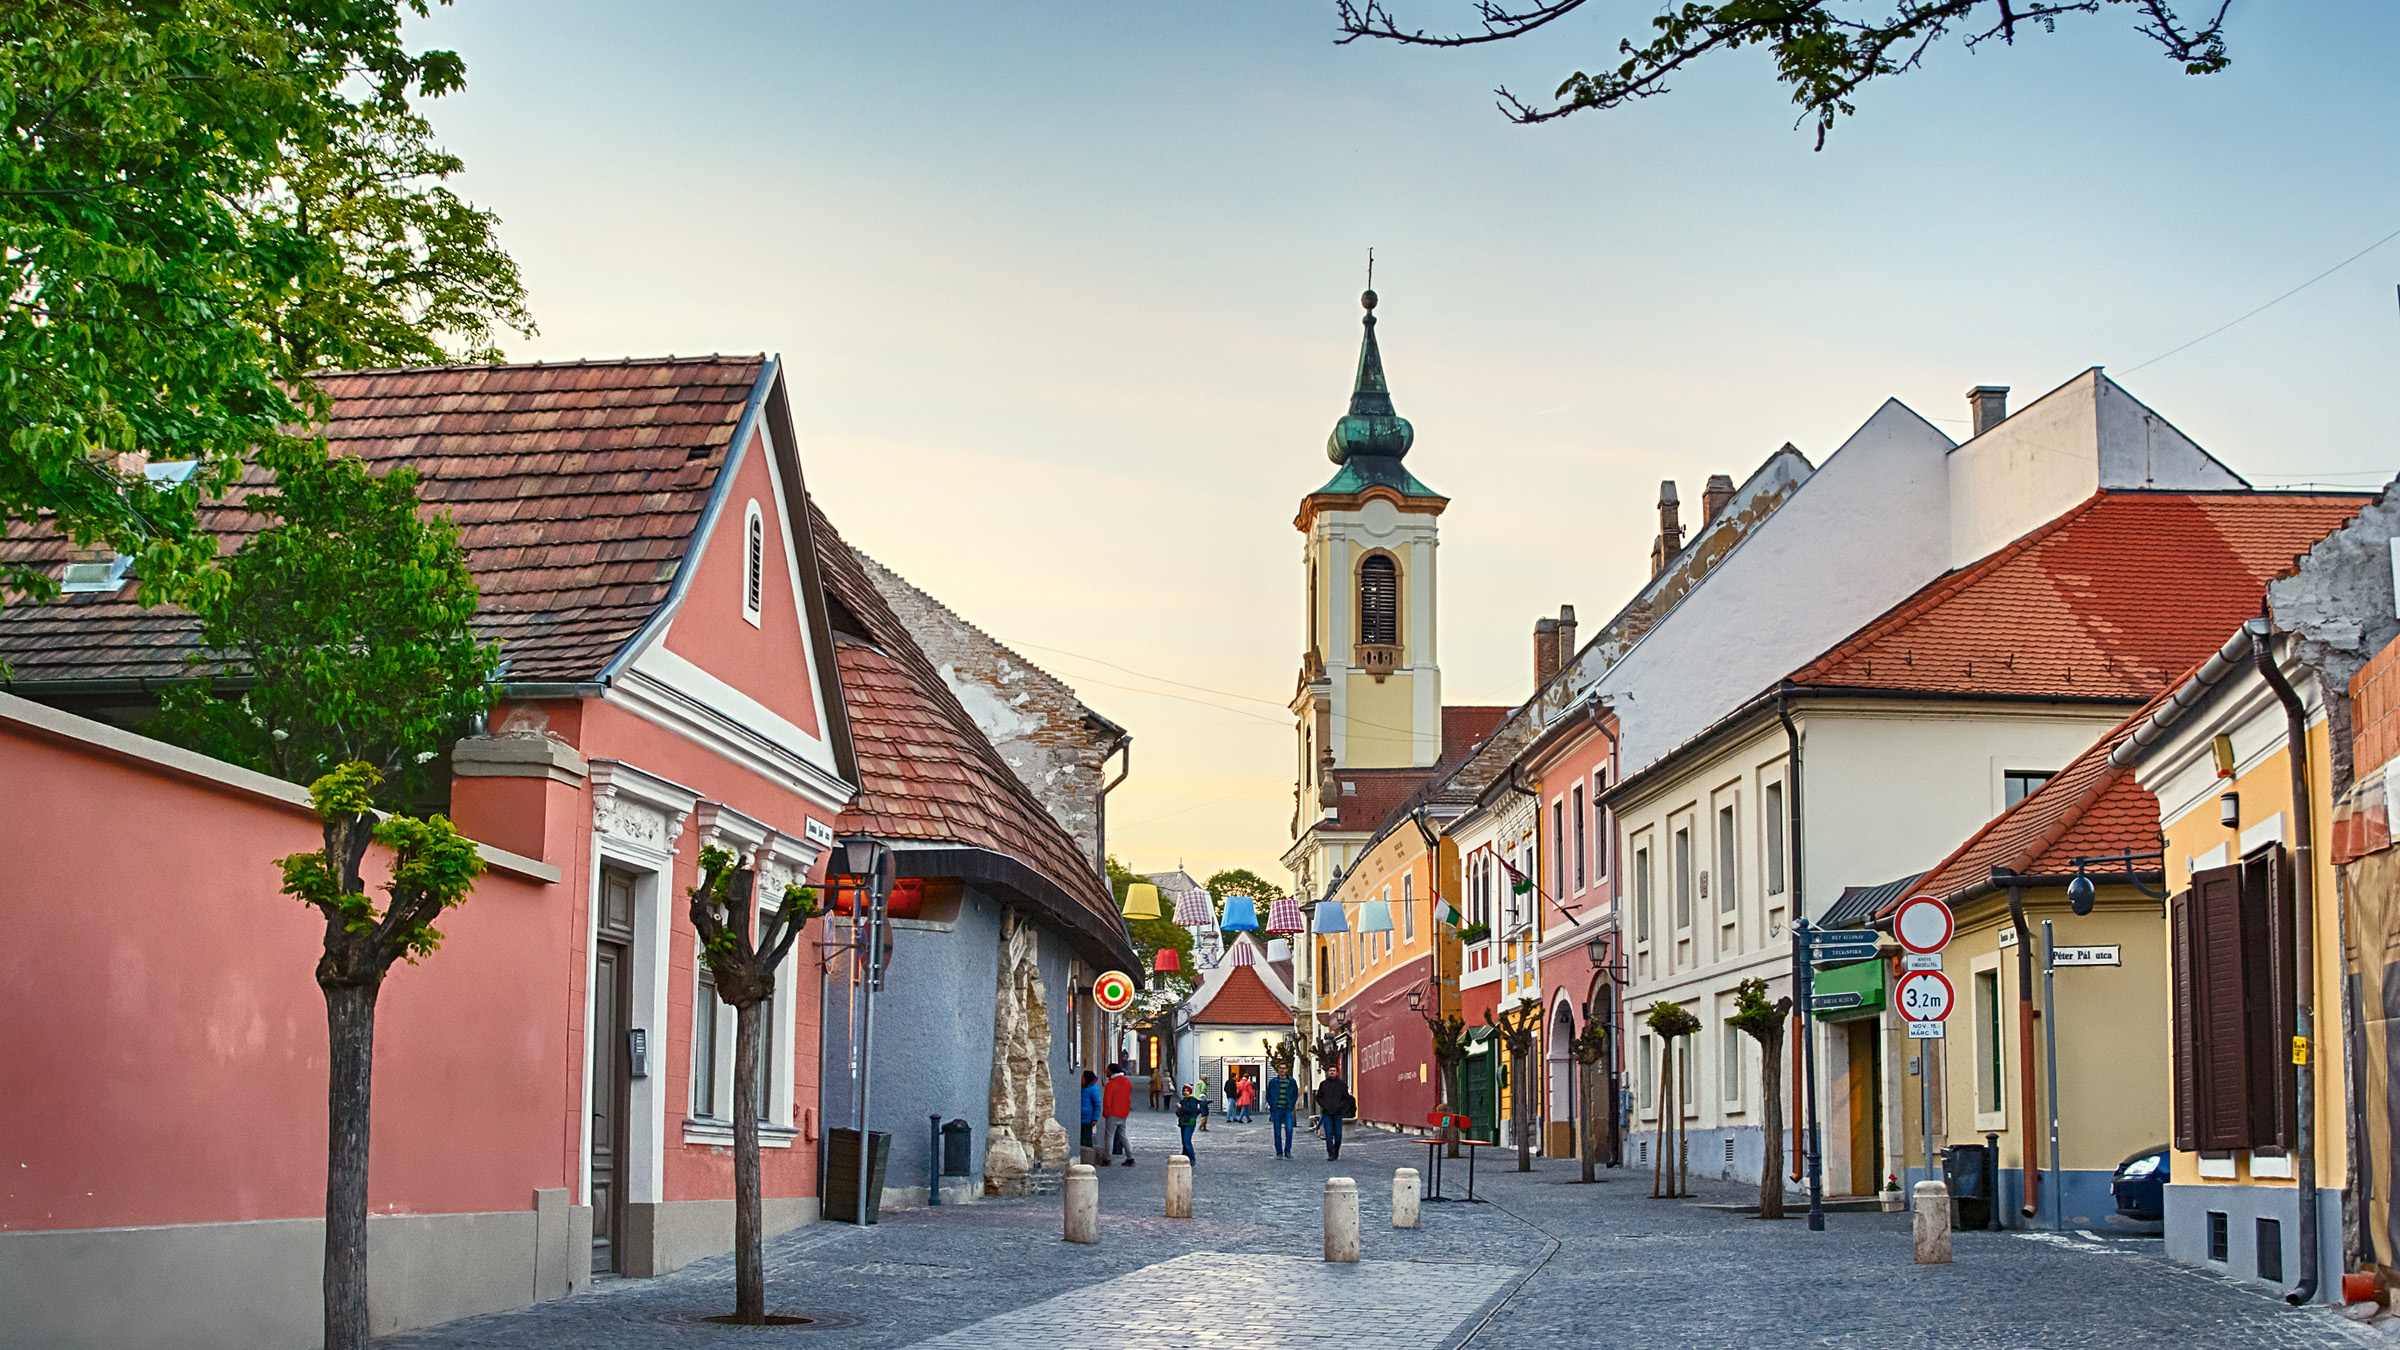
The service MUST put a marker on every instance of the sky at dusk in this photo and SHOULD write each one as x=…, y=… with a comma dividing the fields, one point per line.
x=1068, y=293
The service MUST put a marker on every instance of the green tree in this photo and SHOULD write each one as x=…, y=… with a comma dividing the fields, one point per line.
x=1161, y=989
x=199, y=201
x=348, y=617
x=1242, y=881
x=724, y=909
x=1824, y=49
x=1669, y=1022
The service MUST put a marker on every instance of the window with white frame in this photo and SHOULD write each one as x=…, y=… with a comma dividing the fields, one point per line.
x=1727, y=860
x=1682, y=880
x=1641, y=894
x=754, y=563
x=1730, y=1084
x=1774, y=829
x=1408, y=908
x=1600, y=830
x=1580, y=842
x=1644, y=1083
x=712, y=1022
x=1558, y=846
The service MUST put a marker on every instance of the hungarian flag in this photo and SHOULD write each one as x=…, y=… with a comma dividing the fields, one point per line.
x=1445, y=912
x=1517, y=881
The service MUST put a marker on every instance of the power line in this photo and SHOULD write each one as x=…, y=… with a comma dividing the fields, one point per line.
x=2274, y=302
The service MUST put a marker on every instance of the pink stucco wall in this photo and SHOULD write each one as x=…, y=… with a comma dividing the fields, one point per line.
x=768, y=661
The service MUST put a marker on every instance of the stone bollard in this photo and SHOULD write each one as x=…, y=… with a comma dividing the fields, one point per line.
x=1407, y=1196
x=1933, y=1224
x=1341, y=1219
x=1083, y=1204
x=1179, y=1186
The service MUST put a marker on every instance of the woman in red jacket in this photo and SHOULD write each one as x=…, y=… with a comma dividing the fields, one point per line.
x=1116, y=1105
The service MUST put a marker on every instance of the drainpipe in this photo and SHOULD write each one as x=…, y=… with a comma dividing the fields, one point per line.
x=1100, y=802
x=2002, y=876
x=1616, y=943
x=2304, y=921
x=1800, y=983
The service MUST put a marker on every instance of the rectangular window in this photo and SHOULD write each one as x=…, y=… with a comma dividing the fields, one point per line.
x=1599, y=826
x=705, y=1023
x=1641, y=895
x=2018, y=784
x=1989, y=1074
x=1580, y=881
x=1643, y=1073
x=2270, y=1250
x=1726, y=860
x=1731, y=1074
x=1684, y=1093
x=1558, y=848
x=2219, y=1241
x=1682, y=880
x=1775, y=828
x=2233, y=983
x=1408, y=908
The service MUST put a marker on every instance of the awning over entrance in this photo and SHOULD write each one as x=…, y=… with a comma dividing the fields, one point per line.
x=1866, y=979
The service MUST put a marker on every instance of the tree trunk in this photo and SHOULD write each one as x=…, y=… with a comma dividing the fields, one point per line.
x=1770, y=1174
x=1586, y=1138
x=1666, y=1089
x=1522, y=1089
x=749, y=1238
x=349, y=1077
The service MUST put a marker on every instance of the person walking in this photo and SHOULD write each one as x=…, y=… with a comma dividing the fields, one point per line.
x=1335, y=1105
x=1116, y=1106
x=1187, y=1114
x=1283, y=1105
x=1245, y=1099
x=1091, y=1114
x=1233, y=1097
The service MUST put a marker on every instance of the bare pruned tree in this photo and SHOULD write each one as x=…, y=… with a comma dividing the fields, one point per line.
x=1824, y=49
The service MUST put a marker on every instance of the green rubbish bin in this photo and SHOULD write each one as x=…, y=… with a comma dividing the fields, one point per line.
x=841, y=1174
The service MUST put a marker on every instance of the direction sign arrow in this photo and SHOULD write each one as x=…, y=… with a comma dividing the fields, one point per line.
x=1840, y=956
x=1828, y=1002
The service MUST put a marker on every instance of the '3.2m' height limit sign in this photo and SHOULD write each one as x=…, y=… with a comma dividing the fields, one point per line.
x=1925, y=996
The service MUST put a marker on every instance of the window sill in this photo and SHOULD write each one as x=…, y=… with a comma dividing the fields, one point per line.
x=719, y=1133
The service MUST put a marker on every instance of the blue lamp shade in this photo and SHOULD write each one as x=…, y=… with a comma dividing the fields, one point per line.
x=1375, y=916
x=1241, y=915
x=1331, y=919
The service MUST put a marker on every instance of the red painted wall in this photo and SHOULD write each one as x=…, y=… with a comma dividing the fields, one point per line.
x=767, y=662
x=1392, y=1054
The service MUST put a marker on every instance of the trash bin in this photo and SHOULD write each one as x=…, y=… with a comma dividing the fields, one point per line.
x=958, y=1155
x=841, y=1174
x=1966, y=1170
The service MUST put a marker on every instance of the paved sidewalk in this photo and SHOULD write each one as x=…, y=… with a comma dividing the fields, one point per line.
x=1549, y=1263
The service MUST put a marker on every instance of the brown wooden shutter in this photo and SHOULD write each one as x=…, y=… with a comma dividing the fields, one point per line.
x=2273, y=1011
x=2183, y=963
x=2221, y=1014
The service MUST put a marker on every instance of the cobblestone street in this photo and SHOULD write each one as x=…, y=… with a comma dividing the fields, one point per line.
x=1547, y=1263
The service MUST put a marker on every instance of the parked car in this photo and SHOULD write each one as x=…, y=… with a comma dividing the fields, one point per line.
x=2141, y=1186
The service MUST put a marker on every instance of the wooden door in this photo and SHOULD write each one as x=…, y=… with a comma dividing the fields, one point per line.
x=1866, y=1107
x=612, y=1067
x=1482, y=1105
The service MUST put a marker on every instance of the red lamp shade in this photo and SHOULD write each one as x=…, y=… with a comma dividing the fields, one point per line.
x=1168, y=960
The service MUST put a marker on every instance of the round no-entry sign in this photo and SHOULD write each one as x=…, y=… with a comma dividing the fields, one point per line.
x=1113, y=991
x=1924, y=996
x=1923, y=924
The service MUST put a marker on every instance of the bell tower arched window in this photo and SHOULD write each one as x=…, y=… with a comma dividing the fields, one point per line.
x=1378, y=601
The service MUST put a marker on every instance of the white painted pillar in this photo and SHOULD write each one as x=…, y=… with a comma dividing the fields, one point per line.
x=1083, y=1204
x=1407, y=1194
x=1341, y=1219
x=1933, y=1224
x=1179, y=1186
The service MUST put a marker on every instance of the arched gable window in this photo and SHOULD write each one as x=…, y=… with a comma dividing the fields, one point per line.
x=754, y=562
x=1379, y=600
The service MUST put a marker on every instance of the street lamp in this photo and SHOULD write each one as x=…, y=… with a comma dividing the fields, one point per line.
x=1416, y=998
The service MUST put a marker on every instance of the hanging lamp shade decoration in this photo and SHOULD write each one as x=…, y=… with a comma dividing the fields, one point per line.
x=1241, y=915
x=1283, y=916
x=1331, y=918
x=1245, y=954
x=1141, y=901
x=1375, y=916
x=1192, y=909
x=1279, y=949
x=1167, y=962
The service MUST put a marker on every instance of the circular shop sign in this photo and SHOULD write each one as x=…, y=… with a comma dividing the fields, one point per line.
x=1923, y=924
x=1925, y=996
x=1113, y=991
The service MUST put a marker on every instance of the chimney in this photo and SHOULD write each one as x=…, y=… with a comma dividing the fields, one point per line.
x=1989, y=405
x=1670, y=529
x=1545, y=651
x=1566, y=635
x=1720, y=491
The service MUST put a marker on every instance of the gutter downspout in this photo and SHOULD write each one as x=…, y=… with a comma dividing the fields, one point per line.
x=1616, y=944
x=2002, y=876
x=1800, y=982
x=2304, y=922
x=1100, y=802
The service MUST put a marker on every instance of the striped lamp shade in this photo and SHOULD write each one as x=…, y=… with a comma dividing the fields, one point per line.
x=1192, y=909
x=1241, y=915
x=1375, y=916
x=1284, y=916
x=1245, y=954
x=1331, y=919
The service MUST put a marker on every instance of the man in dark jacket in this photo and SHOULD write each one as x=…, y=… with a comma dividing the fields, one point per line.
x=1283, y=1105
x=1334, y=1105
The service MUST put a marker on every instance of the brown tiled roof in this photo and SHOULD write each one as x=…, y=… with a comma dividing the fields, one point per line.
x=2087, y=809
x=2113, y=599
x=1464, y=728
x=1243, y=1001
x=576, y=487
x=928, y=776
x=1376, y=794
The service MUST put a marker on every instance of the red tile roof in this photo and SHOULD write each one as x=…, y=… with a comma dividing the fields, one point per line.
x=2088, y=809
x=1464, y=728
x=1244, y=1001
x=576, y=488
x=2114, y=599
x=928, y=776
x=1380, y=792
